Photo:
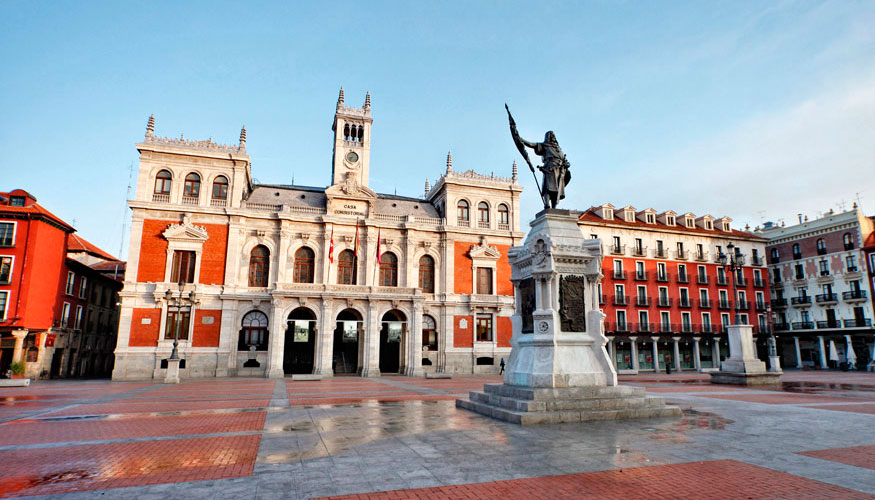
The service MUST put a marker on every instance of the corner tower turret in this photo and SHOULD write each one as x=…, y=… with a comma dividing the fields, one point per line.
x=352, y=143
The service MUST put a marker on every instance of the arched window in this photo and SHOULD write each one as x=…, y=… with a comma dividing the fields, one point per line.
x=483, y=212
x=503, y=214
x=192, y=187
x=426, y=274
x=346, y=268
x=220, y=188
x=462, y=211
x=388, y=269
x=259, y=266
x=848, y=241
x=162, y=182
x=821, y=246
x=796, y=253
x=304, y=265
x=254, y=332
x=429, y=333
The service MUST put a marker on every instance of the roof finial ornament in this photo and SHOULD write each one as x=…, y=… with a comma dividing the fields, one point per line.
x=427, y=187
x=449, y=161
x=340, y=98
x=150, y=125
x=242, y=138
x=514, y=172
x=367, y=101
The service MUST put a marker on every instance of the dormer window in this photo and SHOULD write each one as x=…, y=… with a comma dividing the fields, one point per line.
x=669, y=220
x=609, y=214
x=726, y=226
x=650, y=218
x=630, y=216
x=16, y=201
x=709, y=225
x=690, y=222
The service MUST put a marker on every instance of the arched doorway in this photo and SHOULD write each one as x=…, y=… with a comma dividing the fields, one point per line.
x=392, y=335
x=300, y=341
x=345, y=355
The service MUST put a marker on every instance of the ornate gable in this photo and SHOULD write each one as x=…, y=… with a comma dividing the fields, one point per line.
x=186, y=231
x=484, y=251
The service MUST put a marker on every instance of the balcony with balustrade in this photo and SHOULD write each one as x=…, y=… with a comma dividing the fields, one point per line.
x=803, y=325
x=642, y=301
x=854, y=296
x=705, y=304
x=826, y=298
x=685, y=302
x=683, y=278
x=664, y=302
x=618, y=249
x=801, y=301
x=724, y=305
x=641, y=275
x=702, y=279
x=639, y=251
x=858, y=323
x=619, y=275
x=621, y=300
x=663, y=277
x=779, y=303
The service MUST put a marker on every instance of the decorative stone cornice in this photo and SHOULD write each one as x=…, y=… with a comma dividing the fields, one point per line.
x=484, y=251
x=185, y=231
x=207, y=145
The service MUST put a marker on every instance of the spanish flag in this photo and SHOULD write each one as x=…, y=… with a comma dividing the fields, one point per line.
x=331, y=247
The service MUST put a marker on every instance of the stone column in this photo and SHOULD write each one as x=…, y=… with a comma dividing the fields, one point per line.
x=655, y=353
x=277, y=344
x=370, y=362
x=635, y=365
x=677, y=354
x=821, y=351
x=798, y=352
x=697, y=358
x=18, y=349
x=715, y=352
x=325, y=340
x=414, y=344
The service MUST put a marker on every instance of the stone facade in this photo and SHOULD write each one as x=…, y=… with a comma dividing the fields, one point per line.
x=285, y=279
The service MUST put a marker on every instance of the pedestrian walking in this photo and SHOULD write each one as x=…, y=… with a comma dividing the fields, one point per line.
x=501, y=367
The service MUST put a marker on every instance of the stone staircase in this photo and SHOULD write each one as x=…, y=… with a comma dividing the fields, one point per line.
x=526, y=406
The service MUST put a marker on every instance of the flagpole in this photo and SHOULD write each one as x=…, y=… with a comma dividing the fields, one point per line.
x=378, y=258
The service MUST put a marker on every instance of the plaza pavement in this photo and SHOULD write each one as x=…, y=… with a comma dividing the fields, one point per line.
x=399, y=437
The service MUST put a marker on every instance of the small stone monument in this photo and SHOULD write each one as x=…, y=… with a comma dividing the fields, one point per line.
x=742, y=366
x=559, y=370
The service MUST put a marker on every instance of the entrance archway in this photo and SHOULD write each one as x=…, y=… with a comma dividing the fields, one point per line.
x=300, y=341
x=393, y=333
x=345, y=355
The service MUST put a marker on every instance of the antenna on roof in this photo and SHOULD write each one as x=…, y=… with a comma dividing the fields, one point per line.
x=121, y=244
x=293, y=178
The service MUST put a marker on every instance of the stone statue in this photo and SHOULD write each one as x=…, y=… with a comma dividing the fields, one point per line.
x=556, y=168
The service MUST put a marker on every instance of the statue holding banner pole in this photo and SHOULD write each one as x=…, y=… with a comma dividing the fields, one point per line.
x=555, y=168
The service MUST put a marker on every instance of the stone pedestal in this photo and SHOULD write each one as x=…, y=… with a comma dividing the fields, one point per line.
x=742, y=367
x=558, y=369
x=172, y=375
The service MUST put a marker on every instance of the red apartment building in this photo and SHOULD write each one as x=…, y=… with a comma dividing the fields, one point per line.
x=666, y=296
x=46, y=289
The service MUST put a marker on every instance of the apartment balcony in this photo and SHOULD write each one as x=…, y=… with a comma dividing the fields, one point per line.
x=621, y=300
x=218, y=202
x=619, y=275
x=683, y=278
x=782, y=326
x=849, y=246
x=665, y=328
x=758, y=283
x=858, y=323
x=722, y=281
x=641, y=275
x=852, y=273
x=463, y=223
x=760, y=306
x=702, y=279
x=854, y=295
x=639, y=251
x=685, y=328
x=190, y=200
x=724, y=304
x=642, y=301
x=660, y=253
x=620, y=327
x=826, y=298
x=709, y=329
x=741, y=282
x=742, y=305
x=618, y=249
x=803, y=325
x=503, y=226
x=797, y=256
x=779, y=302
x=682, y=255
x=801, y=301
x=701, y=257
x=643, y=327
x=483, y=224
x=160, y=198
x=829, y=324
x=756, y=260
x=705, y=304
x=800, y=280
x=821, y=251
x=664, y=302
x=825, y=277
x=685, y=303
x=663, y=277
x=774, y=260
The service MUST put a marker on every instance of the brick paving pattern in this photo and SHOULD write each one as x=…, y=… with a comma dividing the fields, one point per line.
x=785, y=399
x=43, y=471
x=865, y=408
x=858, y=456
x=725, y=479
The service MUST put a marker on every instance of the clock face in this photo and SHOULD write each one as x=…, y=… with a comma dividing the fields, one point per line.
x=352, y=157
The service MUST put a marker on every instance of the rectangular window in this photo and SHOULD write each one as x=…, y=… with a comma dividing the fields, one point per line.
x=5, y=270
x=682, y=273
x=663, y=295
x=824, y=268
x=721, y=276
x=851, y=263
x=484, y=328
x=83, y=286
x=616, y=242
x=706, y=322
x=183, y=266
x=685, y=297
x=687, y=322
x=7, y=234
x=621, y=321
x=660, y=250
x=77, y=323
x=724, y=319
x=642, y=292
x=639, y=271
x=660, y=271
x=703, y=294
x=178, y=319
x=71, y=279
x=484, y=280
x=743, y=319
x=644, y=321
x=800, y=274
x=680, y=249
x=639, y=247
x=665, y=321
x=65, y=314
x=4, y=295
x=700, y=251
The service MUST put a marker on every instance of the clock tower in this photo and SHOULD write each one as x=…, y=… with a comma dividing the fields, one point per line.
x=352, y=143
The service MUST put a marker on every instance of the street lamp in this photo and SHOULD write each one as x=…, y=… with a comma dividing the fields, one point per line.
x=178, y=301
x=734, y=262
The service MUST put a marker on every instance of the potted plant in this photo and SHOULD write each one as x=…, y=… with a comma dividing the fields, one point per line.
x=17, y=369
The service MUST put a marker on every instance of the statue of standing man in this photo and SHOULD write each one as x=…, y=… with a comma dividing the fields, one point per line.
x=555, y=168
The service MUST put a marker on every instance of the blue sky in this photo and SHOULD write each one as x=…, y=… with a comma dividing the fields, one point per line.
x=755, y=110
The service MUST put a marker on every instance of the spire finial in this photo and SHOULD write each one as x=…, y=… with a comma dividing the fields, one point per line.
x=514, y=172
x=427, y=187
x=367, y=101
x=150, y=125
x=449, y=161
x=340, y=98
x=242, y=138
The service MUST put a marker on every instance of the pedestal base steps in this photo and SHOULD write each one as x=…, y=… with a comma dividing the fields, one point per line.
x=764, y=378
x=527, y=406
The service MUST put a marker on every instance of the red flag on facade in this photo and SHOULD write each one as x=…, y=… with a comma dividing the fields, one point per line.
x=331, y=247
x=355, y=249
x=378, y=248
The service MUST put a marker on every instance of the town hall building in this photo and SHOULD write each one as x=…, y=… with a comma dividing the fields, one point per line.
x=270, y=280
